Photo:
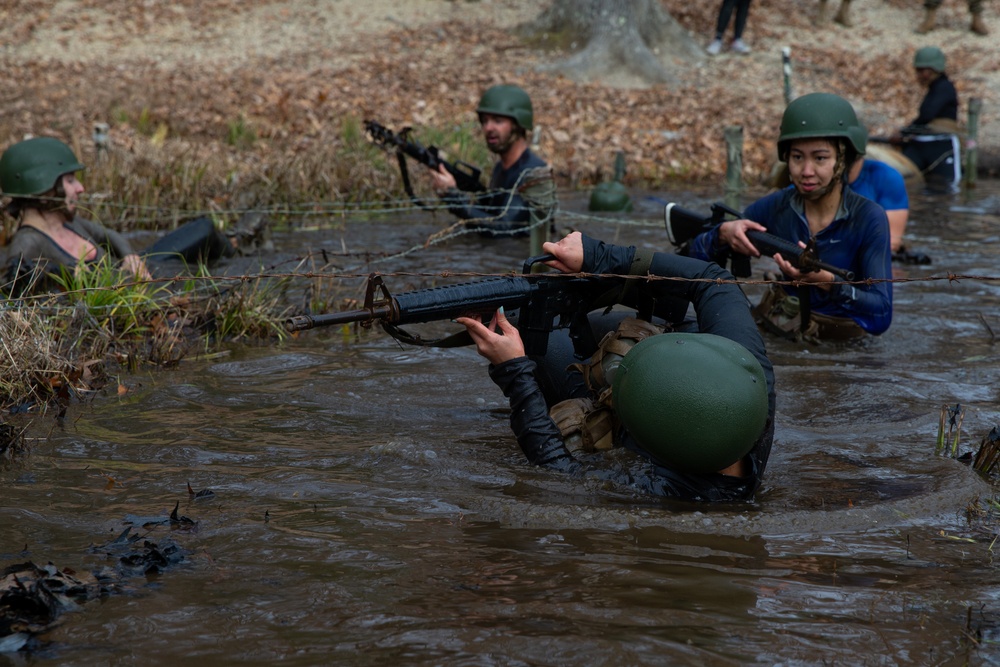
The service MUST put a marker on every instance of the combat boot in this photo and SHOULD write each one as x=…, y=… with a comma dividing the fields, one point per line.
x=928, y=23
x=843, y=16
x=978, y=26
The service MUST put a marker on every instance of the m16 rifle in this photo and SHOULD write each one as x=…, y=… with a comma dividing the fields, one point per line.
x=547, y=301
x=467, y=177
x=683, y=225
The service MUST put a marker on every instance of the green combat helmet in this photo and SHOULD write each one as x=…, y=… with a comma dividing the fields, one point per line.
x=33, y=166
x=613, y=195
x=510, y=101
x=819, y=116
x=930, y=57
x=860, y=140
x=696, y=402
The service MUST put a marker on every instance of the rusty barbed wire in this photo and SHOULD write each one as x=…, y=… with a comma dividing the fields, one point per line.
x=238, y=279
x=373, y=258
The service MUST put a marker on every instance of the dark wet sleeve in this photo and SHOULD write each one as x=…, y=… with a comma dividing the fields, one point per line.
x=601, y=257
x=536, y=433
x=721, y=306
x=869, y=304
x=24, y=243
x=26, y=259
x=706, y=246
x=497, y=206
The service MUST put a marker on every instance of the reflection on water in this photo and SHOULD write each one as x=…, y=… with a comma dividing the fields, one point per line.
x=371, y=505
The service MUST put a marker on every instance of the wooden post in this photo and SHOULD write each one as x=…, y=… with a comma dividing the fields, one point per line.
x=786, y=68
x=972, y=143
x=539, y=235
x=539, y=232
x=734, y=165
x=619, y=166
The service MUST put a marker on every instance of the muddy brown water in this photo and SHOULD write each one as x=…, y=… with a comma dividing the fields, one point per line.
x=371, y=506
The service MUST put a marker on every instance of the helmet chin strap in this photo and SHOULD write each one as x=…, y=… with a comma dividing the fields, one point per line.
x=52, y=201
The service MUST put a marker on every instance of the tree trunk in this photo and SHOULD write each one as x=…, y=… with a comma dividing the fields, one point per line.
x=626, y=43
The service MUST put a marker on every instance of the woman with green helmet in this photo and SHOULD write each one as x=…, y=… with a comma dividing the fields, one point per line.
x=39, y=177
x=820, y=139
x=696, y=408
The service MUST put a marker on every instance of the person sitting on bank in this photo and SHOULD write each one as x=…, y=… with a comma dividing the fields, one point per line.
x=696, y=407
x=506, y=117
x=931, y=140
x=820, y=141
x=39, y=175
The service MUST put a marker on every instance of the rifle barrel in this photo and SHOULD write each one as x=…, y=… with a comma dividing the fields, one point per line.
x=303, y=322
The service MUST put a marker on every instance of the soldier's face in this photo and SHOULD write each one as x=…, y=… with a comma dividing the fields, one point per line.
x=925, y=75
x=499, y=132
x=812, y=167
x=73, y=189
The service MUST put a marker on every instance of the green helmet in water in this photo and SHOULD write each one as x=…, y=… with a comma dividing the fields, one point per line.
x=821, y=116
x=510, y=101
x=612, y=195
x=695, y=402
x=930, y=57
x=33, y=166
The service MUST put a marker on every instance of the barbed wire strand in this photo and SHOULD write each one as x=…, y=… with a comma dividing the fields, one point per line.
x=374, y=258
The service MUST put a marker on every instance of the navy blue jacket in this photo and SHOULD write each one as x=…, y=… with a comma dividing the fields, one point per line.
x=941, y=101
x=500, y=207
x=857, y=240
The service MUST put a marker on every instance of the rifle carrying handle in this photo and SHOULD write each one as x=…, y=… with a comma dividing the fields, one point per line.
x=531, y=261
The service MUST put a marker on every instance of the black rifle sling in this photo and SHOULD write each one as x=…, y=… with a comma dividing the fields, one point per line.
x=805, y=307
x=457, y=339
x=404, y=172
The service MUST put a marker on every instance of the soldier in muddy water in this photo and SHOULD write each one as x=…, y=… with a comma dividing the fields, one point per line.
x=506, y=117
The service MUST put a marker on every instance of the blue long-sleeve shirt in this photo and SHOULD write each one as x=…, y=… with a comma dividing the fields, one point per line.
x=857, y=239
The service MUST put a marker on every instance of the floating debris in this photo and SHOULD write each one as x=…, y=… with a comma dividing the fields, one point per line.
x=33, y=597
x=177, y=520
x=201, y=495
